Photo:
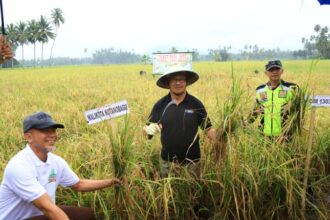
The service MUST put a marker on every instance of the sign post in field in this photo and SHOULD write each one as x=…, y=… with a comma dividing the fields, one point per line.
x=316, y=101
x=107, y=112
x=163, y=61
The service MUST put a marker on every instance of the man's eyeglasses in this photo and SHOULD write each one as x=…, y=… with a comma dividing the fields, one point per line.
x=178, y=80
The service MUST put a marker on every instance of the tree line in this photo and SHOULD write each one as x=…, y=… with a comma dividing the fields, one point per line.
x=316, y=46
x=35, y=31
x=42, y=30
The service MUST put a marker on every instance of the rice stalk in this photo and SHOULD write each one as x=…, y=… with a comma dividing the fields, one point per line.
x=121, y=144
x=231, y=116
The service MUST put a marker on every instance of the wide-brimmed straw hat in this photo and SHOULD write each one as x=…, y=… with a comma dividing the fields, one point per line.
x=164, y=80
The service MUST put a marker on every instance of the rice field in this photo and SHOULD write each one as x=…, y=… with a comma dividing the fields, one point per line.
x=253, y=179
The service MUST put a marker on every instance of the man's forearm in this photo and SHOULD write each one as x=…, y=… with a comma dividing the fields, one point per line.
x=85, y=185
x=45, y=205
x=56, y=214
x=212, y=134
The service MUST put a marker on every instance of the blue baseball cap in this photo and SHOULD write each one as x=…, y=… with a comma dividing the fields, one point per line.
x=40, y=120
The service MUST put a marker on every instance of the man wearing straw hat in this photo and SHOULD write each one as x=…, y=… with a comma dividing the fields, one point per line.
x=31, y=177
x=177, y=116
x=273, y=101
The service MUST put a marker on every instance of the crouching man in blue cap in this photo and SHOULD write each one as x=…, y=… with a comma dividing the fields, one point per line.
x=31, y=177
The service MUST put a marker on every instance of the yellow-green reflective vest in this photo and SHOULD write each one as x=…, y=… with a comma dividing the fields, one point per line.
x=272, y=102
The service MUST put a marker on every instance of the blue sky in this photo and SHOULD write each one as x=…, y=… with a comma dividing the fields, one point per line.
x=146, y=26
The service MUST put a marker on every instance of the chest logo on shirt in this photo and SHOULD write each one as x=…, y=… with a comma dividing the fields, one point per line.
x=52, y=176
x=189, y=111
x=263, y=96
x=282, y=94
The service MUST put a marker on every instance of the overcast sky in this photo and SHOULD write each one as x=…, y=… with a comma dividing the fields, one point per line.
x=146, y=26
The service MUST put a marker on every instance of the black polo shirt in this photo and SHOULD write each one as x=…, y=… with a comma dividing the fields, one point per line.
x=179, y=135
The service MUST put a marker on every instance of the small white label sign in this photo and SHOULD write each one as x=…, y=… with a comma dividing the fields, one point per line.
x=106, y=112
x=320, y=101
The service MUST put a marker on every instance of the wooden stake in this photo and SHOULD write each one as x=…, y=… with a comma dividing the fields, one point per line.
x=308, y=161
x=3, y=32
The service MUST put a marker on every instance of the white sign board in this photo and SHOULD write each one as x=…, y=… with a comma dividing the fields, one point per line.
x=320, y=101
x=106, y=112
x=162, y=61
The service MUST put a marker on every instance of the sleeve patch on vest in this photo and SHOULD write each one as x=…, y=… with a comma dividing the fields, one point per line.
x=263, y=96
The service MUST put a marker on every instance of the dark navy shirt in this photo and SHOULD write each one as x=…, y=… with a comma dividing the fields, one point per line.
x=179, y=134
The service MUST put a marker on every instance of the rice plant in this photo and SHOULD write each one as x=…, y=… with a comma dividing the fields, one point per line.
x=256, y=179
x=231, y=116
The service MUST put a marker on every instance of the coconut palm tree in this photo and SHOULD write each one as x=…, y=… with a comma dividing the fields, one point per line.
x=22, y=36
x=12, y=38
x=33, y=32
x=11, y=34
x=45, y=32
x=57, y=20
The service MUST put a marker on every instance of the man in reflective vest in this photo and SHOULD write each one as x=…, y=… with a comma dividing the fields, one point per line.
x=273, y=100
